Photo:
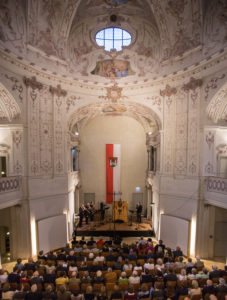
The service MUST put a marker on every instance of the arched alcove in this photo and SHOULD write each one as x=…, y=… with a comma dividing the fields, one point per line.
x=9, y=109
x=130, y=135
x=217, y=108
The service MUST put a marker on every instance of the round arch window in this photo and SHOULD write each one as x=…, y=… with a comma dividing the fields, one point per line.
x=113, y=38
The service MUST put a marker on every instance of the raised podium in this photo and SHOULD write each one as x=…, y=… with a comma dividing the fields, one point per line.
x=120, y=211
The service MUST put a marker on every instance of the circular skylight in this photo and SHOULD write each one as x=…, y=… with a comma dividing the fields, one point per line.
x=113, y=38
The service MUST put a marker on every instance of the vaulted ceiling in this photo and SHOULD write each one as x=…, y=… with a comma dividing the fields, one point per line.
x=58, y=36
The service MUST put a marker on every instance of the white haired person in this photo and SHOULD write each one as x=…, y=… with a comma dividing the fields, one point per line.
x=134, y=278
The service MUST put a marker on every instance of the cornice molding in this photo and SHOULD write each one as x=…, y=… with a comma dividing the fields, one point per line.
x=33, y=83
x=192, y=84
x=81, y=83
x=58, y=91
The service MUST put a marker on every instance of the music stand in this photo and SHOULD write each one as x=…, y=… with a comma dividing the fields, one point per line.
x=132, y=212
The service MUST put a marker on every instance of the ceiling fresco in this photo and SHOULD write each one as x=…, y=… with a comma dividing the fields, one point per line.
x=58, y=36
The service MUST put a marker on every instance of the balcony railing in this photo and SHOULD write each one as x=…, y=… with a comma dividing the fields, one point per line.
x=10, y=184
x=217, y=185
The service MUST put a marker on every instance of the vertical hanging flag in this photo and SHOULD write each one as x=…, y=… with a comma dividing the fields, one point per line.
x=113, y=168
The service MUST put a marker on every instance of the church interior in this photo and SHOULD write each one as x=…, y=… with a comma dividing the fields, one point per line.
x=114, y=103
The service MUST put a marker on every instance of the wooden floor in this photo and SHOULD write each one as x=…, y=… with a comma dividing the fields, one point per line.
x=111, y=229
x=116, y=226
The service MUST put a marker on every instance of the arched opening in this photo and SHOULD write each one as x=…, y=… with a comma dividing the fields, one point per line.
x=133, y=127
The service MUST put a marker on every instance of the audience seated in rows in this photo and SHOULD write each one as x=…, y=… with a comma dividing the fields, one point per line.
x=105, y=270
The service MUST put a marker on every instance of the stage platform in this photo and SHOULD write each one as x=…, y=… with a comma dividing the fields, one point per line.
x=117, y=229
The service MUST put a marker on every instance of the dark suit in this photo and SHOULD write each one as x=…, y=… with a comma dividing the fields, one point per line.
x=139, y=209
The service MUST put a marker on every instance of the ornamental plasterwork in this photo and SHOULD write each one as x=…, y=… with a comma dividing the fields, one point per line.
x=60, y=42
x=217, y=108
x=144, y=115
x=9, y=109
x=192, y=84
x=212, y=84
x=222, y=150
x=113, y=93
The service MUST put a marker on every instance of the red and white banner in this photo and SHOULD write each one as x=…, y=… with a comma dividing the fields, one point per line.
x=113, y=168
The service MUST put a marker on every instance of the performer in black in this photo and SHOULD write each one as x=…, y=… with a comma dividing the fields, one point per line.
x=139, y=209
x=89, y=211
x=81, y=215
x=102, y=208
x=83, y=212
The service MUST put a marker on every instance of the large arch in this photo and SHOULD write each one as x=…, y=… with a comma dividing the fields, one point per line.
x=9, y=109
x=143, y=114
x=217, y=108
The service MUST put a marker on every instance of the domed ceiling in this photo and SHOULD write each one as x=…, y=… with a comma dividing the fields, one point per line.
x=167, y=36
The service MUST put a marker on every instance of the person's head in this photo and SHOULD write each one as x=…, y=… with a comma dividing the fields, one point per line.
x=183, y=272
x=71, y=252
x=116, y=288
x=30, y=260
x=221, y=281
x=146, y=271
x=209, y=282
x=73, y=263
x=160, y=242
x=91, y=255
x=19, y=260
x=48, y=288
x=134, y=273
x=144, y=287
x=194, y=271
x=99, y=273
x=86, y=273
x=73, y=275
x=36, y=274
x=34, y=288
x=189, y=260
x=159, y=261
x=214, y=267
x=89, y=289
x=16, y=269
x=62, y=289
x=123, y=274
x=212, y=297
x=119, y=259
x=130, y=289
x=109, y=269
x=195, y=284
x=205, y=271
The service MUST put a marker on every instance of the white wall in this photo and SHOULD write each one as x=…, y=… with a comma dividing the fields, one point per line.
x=113, y=130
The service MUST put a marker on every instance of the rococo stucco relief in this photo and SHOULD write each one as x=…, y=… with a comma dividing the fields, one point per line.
x=59, y=36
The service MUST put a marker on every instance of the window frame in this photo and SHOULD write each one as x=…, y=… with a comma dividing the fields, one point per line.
x=113, y=39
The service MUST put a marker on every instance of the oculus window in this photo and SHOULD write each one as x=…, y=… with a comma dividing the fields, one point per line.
x=113, y=38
